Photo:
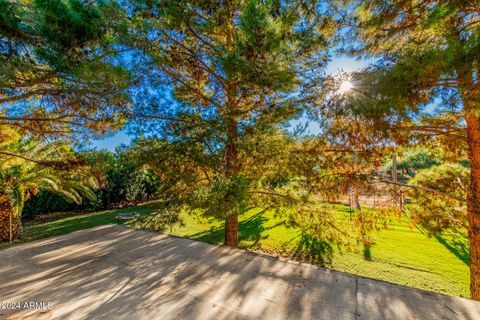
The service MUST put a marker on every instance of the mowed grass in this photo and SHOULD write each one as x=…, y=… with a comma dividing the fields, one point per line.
x=36, y=231
x=402, y=254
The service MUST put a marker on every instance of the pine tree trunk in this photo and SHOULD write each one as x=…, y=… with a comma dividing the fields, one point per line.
x=231, y=231
x=469, y=91
x=10, y=223
x=232, y=169
x=231, y=155
x=473, y=204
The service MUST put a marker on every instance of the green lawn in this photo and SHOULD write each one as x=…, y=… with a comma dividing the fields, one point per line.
x=402, y=254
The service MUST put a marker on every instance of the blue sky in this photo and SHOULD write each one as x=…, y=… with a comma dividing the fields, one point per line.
x=110, y=143
x=337, y=64
x=344, y=63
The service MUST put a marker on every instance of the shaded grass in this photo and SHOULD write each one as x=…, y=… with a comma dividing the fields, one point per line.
x=402, y=255
x=457, y=243
x=407, y=256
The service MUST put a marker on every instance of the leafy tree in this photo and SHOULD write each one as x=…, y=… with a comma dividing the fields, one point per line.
x=426, y=54
x=58, y=68
x=414, y=159
x=124, y=180
x=34, y=170
x=235, y=69
x=281, y=172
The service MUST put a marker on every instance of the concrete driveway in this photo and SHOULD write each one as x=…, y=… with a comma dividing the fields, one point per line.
x=112, y=272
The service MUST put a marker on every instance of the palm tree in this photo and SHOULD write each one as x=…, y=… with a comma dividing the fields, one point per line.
x=26, y=167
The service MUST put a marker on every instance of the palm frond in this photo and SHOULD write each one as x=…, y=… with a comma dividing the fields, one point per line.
x=54, y=169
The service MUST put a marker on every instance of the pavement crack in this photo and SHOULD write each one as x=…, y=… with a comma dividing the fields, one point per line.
x=453, y=311
x=356, y=298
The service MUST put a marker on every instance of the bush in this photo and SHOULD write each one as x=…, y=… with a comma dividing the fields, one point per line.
x=124, y=183
x=45, y=202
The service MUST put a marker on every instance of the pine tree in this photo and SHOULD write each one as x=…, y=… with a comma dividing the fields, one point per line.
x=426, y=54
x=58, y=72
x=236, y=68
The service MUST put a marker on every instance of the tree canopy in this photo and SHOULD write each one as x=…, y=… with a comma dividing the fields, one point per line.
x=58, y=71
x=234, y=72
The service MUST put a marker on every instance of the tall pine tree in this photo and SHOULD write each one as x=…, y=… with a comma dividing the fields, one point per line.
x=236, y=68
x=427, y=53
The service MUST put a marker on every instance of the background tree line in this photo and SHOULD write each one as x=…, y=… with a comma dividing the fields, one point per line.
x=122, y=182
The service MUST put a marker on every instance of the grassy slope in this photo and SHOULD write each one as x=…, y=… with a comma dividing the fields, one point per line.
x=402, y=255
